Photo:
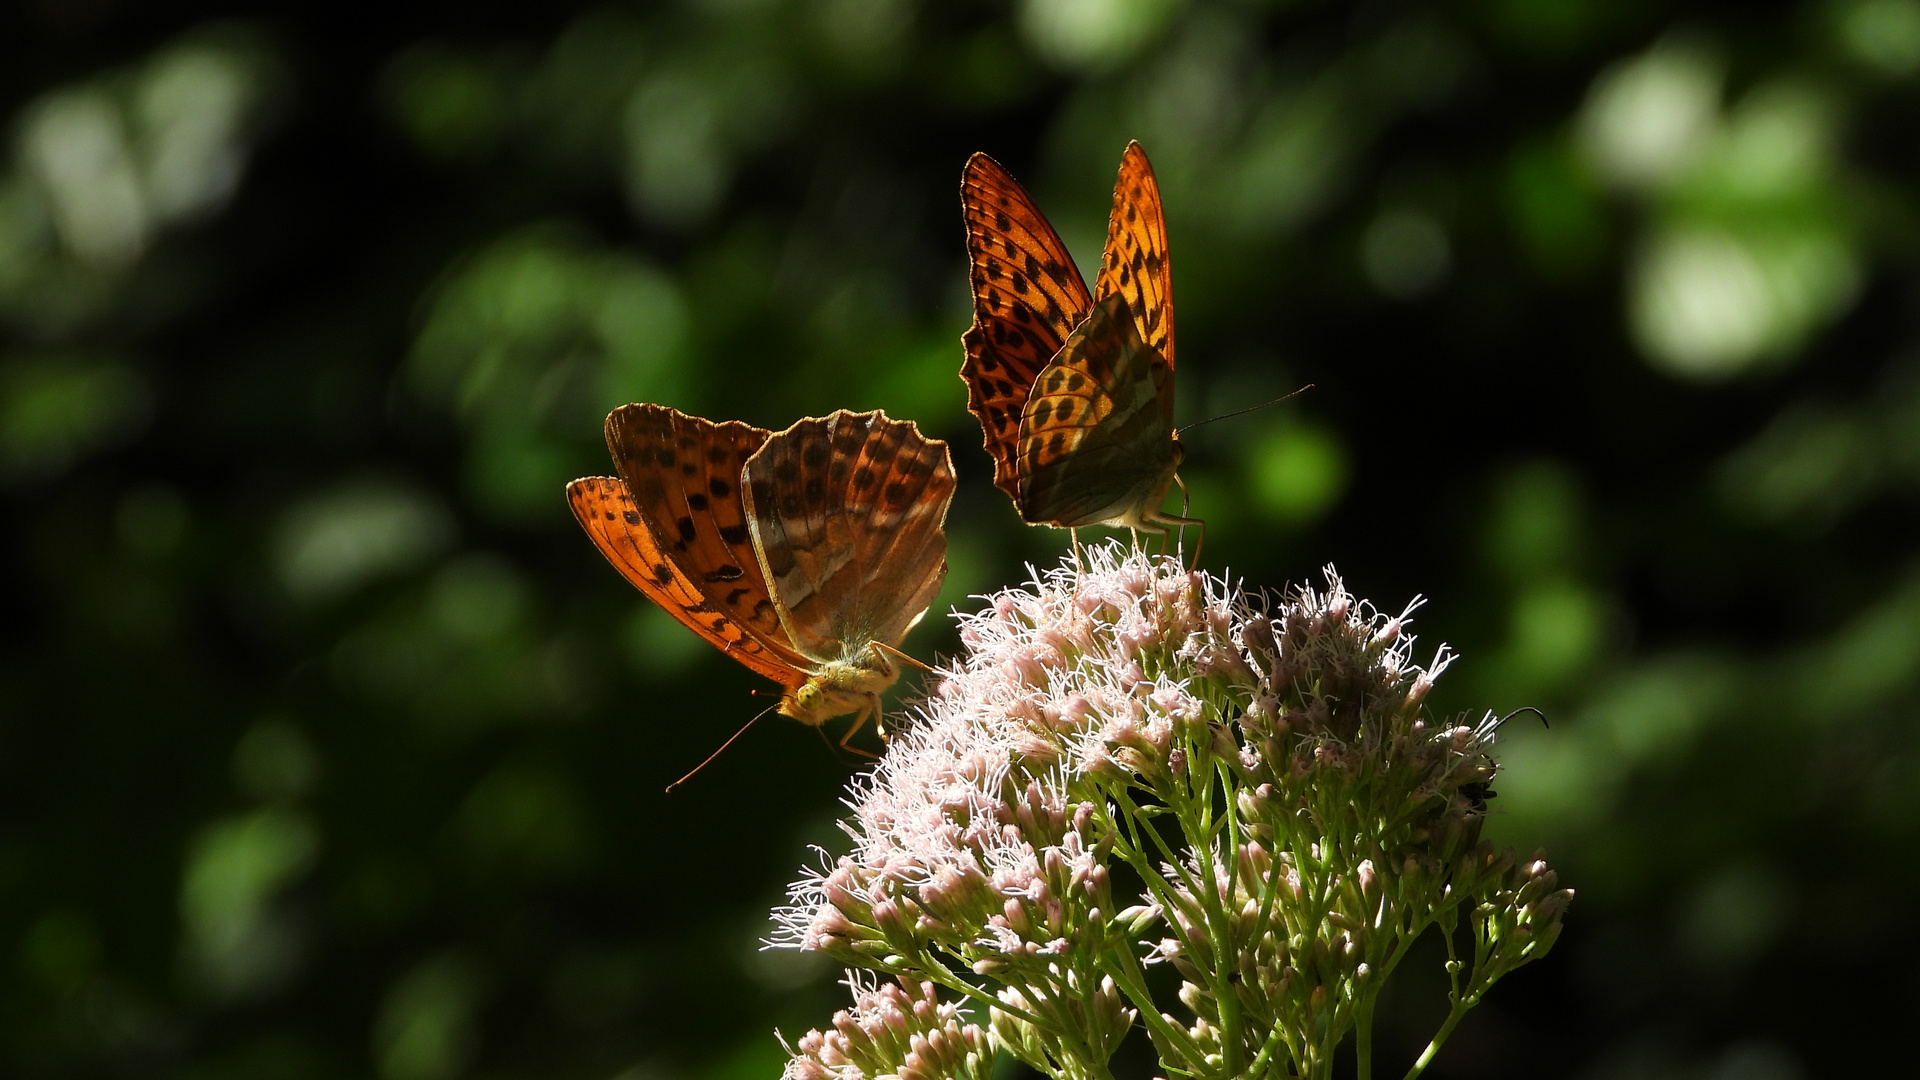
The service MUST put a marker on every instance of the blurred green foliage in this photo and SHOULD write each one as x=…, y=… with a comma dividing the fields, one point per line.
x=328, y=746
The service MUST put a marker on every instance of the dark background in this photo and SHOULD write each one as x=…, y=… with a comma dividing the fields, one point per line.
x=329, y=747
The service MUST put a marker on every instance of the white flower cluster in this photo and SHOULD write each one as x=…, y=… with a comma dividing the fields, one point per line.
x=1269, y=780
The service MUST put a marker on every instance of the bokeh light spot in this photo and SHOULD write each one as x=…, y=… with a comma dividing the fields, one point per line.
x=75, y=144
x=1804, y=471
x=1646, y=120
x=425, y=1029
x=1708, y=303
x=152, y=520
x=1405, y=253
x=1735, y=914
x=54, y=411
x=657, y=644
x=233, y=942
x=192, y=106
x=478, y=597
x=451, y=105
x=1092, y=34
x=1534, y=526
x=61, y=948
x=528, y=818
x=1884, y=34
x=1297, y=471
x=275, y=761
x=332, y=543
x=1555, y=630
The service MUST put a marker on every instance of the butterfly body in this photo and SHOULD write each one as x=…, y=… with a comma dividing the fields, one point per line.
x=839, y=687
x=803, y=554
x=1073, y=389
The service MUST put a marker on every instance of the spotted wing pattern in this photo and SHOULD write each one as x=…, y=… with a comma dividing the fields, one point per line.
x=1027, y=297
x=848, y=514
x=684, y=473
x=606, y=509
x=1096, y=439
x=1136, y=263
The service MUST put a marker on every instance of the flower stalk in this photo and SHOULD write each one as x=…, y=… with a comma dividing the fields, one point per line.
x=1286, y=818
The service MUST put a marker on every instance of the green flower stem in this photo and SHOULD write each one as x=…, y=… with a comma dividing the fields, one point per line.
x=1275, y=1040
x=1133, y=855
x=1131, y=980
x=1275, y=874
x=1227, y=958
x=1065, y=1029
x=1363, y=1035
x=1219, y=978
x=942, y=974
x=1460, y=1007
x=1400, y=951
x=1132, y=811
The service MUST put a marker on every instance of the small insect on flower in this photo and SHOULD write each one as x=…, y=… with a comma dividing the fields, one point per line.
x=805, y=555
x=1284, y=815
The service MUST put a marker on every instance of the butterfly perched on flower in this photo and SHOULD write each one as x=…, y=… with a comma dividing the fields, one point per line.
x=806, y=555
x=1074, y=390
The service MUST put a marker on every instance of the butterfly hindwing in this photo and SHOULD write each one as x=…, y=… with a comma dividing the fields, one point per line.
x=605, y=508
x=1096, y=438
x=1027, y=297
x=848, y=514
x=1136, y=263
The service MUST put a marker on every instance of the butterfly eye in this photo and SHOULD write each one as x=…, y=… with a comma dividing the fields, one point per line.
x=807, y=697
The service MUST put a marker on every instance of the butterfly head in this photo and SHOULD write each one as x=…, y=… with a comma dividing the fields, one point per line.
x=804, y=703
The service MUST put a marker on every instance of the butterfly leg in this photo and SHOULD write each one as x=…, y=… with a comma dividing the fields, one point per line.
x=1073, y=540
x=1169, y=519
x=886, y=648
x=869, y=707
x=1180, y=520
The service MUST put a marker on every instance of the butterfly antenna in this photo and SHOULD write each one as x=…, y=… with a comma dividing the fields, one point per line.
x=1524, y=708
x=1248, y=409
x=723, y=746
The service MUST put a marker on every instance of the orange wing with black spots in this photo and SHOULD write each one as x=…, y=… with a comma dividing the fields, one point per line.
x=1027, y=297
x=1136, y=263
x=606, y=509
x=1096, y=441
x=848, y=514
x=684, y=473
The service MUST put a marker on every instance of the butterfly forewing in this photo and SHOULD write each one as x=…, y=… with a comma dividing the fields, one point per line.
x=1096, y=439
x=1027, y=297
x=1136, y=263
x=606, y=509
x=848, y=513
x=684, y=473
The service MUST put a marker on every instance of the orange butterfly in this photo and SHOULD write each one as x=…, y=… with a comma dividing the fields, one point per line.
x=806, y=555
x=1074, y=391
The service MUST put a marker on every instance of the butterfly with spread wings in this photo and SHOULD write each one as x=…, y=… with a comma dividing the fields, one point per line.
x=1073, y=390
x=806, y=555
